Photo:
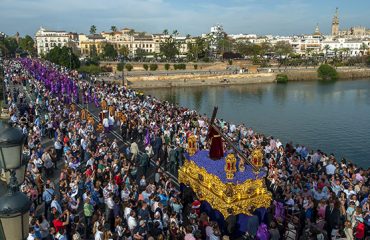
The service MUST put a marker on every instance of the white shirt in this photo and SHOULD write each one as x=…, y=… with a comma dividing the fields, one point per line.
x=131, y=222
x=105, y=122
x=127, y=212
x=330, y=169
x=30, y=237
x=98, y=235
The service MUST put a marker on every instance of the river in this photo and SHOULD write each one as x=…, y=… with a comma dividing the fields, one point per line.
x=333, y=117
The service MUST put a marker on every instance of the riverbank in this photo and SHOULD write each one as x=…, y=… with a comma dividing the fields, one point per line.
x=191, y=80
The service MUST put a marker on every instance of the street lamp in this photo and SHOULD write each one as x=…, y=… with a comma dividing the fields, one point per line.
x=123, y=70
x=11, y=146
x=14, y=205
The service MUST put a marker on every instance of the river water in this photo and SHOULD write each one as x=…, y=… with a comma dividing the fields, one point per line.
x=333, y=117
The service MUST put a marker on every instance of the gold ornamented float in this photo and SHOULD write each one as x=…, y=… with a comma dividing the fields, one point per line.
x=232, y=181
x=221, y=194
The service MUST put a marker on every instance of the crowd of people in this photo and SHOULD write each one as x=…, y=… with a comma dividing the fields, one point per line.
x=85, y=184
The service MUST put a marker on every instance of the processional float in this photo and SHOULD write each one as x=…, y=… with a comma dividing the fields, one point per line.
x=225, y=179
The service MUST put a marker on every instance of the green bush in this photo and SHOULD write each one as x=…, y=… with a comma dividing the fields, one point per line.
x=146, y=67
x=129, y=67
x=368, y=61
x=281, y=78
x=91, y=69
x=167, y=66
x=327, y=72
x=180, y=66
x=120, y=67
x=195, y=66
x=153, y=67
x=230, y=62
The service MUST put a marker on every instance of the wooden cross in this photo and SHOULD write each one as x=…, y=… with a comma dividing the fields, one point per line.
x=227, y=139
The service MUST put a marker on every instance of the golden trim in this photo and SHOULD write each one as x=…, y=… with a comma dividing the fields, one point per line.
x=222, y=196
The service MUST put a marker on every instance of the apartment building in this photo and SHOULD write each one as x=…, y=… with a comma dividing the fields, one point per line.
x=48, y=39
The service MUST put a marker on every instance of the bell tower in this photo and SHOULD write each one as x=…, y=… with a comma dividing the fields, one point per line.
x=335, y=24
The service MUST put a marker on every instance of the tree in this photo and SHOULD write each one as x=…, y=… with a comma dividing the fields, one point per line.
x=326, y=48
x=124, y=51
x=224, y=44
x=153, y=67
x=120, y=66
x=198, y=49
x=283, y=48
x=165, y=32
x=129, y=67
x=169, y=48
x=167, y=66
x=327, y=72
x=131, y=32
x=9, y=46
x=92, y=29
x=265, y=48
x=93, y=51
x=248, y=49
x=363, y=49
x=146, y=67
x=63, y=56
x=113, y=29
x=28, y=44
x=140, y=53
x=109, y=52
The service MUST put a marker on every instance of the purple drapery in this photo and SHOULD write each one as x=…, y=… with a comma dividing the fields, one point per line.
x=147, y=138
x=262, y=232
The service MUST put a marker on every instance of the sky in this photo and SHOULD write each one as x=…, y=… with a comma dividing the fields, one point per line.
x=277, y=17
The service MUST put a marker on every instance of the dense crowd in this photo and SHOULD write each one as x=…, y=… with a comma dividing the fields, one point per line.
x=85, y=184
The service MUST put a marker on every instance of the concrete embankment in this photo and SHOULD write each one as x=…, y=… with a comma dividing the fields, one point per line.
x=190, y=80
x=343, y=74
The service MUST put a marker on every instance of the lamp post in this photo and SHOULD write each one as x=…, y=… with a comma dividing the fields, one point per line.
x=14, y=205
x=123, y=70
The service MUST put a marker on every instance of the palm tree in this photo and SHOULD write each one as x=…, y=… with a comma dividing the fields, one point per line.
x=92, y=32
x=335, y=52
x=92, y=29
x=188, y=36
x=175, y=33
x=363, y=49
x=165, y=32
x=113, y=29
x=326, y=48
x=131, y=33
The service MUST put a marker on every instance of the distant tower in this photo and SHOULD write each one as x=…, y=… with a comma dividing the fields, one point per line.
x=317, y=31
x=17, y=37
x=335, y=24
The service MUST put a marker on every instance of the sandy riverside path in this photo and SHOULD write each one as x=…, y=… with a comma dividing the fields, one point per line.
x=189, y=80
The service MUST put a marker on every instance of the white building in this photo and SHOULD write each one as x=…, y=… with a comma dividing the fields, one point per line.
x=348, y=47
x=48, y=39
